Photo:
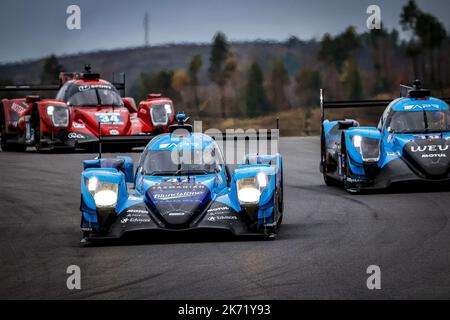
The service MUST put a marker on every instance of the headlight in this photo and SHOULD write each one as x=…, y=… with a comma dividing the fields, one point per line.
x=59, y=116
x=160, y=114
x=104, y=193
x=368, y=148
x=250, y=189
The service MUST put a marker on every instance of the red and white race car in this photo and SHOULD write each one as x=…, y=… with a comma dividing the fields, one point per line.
x=85, y=109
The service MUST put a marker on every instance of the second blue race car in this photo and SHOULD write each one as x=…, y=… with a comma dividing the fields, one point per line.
x=170, y=192
x=410, y=143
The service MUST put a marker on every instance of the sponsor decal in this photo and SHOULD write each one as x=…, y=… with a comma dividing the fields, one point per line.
x=436, y=155
x=177, y=195
x=177, y=214
x=78, y=125
x=221, y=218
x=86, y=87
x=430, y=148
x=182, y=144
x=113, y=132
x=393, y=154
x=218, y=210
x=109, y=118
x=421, y=107
x=17, y=108
x=74, y=135
x=135, y=220
x=134, y=198
x=136, y=216
x=183, y=179
x=136, y=211
x=167, y=145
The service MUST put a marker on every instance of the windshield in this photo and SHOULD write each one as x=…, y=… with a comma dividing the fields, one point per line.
x=182, y=162
x=419, y=122
x=96, y=97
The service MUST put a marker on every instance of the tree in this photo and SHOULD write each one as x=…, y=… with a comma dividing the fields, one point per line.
x=256, y=99
x=408, y=20
x=308, y=83
x=221, y=66
x=51, y=70
x=279, y=79
x=352, y=80
x=193, y=70
x=427, y=34
x=180, y=80
x=338, y=50
x=381, y=42
x=431, y=34
x=160, y=82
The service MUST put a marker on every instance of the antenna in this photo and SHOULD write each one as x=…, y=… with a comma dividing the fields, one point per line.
x=146, y=23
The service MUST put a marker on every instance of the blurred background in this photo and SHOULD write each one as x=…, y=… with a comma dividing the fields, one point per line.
x=235, y=63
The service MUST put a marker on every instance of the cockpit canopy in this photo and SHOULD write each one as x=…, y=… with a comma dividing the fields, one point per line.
x=420, y=121
x=86, y=95
x=185, y=156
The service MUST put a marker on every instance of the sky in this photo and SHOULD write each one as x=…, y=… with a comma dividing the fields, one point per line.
x=33, y=29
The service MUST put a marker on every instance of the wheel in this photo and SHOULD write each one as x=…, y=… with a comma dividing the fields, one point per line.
x=323, y=162
x=3, y=143
x=7, y=146
x=281, y=193
x=36, y=123
x=348, y=186
x=271, y=232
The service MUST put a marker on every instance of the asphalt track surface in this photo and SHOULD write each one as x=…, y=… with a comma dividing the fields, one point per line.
x=327, y=241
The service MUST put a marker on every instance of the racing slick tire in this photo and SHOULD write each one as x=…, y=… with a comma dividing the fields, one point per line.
x=36, y=123
x=281, y=194
x=271, y=232
x=7, y=146
x=348, y=186
x=323, y=162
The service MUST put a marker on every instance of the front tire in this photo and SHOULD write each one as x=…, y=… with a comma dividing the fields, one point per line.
x=323, y=162
x=271, y=232
x=37, y=130
x=348, y=186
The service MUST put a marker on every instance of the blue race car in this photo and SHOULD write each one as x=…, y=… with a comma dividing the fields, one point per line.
x=181, y=183
x=410, y=143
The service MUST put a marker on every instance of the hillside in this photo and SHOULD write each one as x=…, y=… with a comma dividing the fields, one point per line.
x=133, y=61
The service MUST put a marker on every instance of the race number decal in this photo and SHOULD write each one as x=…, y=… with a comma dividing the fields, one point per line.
x=109, y=118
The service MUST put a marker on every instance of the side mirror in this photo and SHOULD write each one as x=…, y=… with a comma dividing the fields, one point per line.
x=128, y=168
x=390, y=130
x=228, y=174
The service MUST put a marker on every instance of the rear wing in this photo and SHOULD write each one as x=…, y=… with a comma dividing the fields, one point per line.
x=404, y=92
x=349, y=104
x=45, y=87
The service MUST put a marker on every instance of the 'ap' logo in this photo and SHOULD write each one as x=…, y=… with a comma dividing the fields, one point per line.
x=374, y=20
x=73, y=21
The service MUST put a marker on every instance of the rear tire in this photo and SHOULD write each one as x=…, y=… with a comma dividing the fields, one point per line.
x=8, y=146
